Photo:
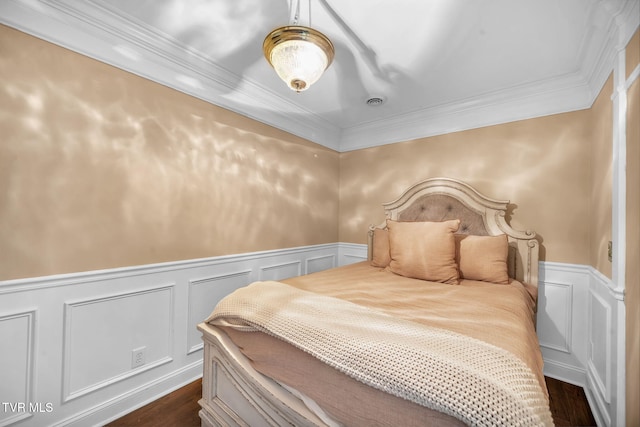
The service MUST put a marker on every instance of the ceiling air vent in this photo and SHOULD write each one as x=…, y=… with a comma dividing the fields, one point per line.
x=375, y=101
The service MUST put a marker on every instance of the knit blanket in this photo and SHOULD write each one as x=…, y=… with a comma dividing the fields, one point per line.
x=473, y=381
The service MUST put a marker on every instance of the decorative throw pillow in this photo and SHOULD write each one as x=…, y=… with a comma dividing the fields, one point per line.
x=424, y=250
x=483, y=257
x=381, y=257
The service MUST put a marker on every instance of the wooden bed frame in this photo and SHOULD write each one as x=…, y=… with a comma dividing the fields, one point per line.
x=235, y=394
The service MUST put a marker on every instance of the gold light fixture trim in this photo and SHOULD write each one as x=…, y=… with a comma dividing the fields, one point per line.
x=298, y=54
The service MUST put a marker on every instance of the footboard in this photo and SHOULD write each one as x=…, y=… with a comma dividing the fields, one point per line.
x=235, y=394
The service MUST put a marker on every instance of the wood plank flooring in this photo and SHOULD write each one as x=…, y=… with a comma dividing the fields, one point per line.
x=177, y=409
x=569, y=407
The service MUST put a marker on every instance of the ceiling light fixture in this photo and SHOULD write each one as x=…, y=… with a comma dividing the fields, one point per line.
x=299, y=54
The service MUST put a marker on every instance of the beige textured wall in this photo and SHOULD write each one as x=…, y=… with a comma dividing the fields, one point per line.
x=541, y=165
x=632, y=291
x=100, y=168
x=600, y=141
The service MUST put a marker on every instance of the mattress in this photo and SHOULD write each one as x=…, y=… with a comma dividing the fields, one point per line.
x=502, y=315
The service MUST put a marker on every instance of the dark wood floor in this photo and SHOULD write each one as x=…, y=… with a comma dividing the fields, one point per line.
x=569, y=407
x=177, y=409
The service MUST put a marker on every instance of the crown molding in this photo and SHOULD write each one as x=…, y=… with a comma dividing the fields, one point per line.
x=571, y=92
x=553, y=96
x=597, y=61
x=94, y=29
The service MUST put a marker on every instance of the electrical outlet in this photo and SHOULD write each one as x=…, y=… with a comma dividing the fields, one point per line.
x=137, y=356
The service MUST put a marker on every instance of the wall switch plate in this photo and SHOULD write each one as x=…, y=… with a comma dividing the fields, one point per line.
x=137, y=357
x=610, y=250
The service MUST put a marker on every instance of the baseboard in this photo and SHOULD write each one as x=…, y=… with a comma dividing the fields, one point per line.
x=133, y=399
x=566, y=373
x=602, y=417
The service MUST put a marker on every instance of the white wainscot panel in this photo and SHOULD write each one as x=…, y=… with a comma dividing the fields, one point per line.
x=606, y=345
x=320, y=263
x=555, y=304
x=350, y=253
x=281, y=271
x=101, y=334
x=16, y=366
x=563, y=320
x=204, y=294
x=599, y=357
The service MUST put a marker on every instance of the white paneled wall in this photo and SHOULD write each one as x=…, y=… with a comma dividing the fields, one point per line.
x=16, y=364
x=579, y=316
x=605, y=347
x=562, y=320
x=204, y=290
x=67, y=341
x=95, y=357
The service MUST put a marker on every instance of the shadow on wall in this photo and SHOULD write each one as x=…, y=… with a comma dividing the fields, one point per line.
x=103, y=169
x=537, y=164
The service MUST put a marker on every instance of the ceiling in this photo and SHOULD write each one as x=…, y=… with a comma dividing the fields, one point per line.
x=439, y=65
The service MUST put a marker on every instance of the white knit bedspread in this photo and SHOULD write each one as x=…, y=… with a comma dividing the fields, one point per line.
x=474, y=381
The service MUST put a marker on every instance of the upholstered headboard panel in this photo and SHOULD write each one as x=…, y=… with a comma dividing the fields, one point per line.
x=441, y=199
x=442, y=207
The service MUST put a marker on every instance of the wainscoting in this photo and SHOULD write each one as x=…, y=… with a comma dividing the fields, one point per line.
x=85, y=348
x=581, y=331
x=69, y=341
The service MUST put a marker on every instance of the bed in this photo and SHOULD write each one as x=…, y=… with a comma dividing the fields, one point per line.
x=437, y=328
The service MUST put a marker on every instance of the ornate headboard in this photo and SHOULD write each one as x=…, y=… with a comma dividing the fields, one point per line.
x=441, y=199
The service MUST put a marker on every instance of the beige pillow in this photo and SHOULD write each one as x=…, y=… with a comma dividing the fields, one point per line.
x=381, y=257
x=424, y=250
x=483, y=257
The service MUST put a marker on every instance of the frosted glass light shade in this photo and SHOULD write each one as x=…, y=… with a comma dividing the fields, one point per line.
x=299, y=55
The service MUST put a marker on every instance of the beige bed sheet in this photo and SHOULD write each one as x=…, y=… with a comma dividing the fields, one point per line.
x=502, y=315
